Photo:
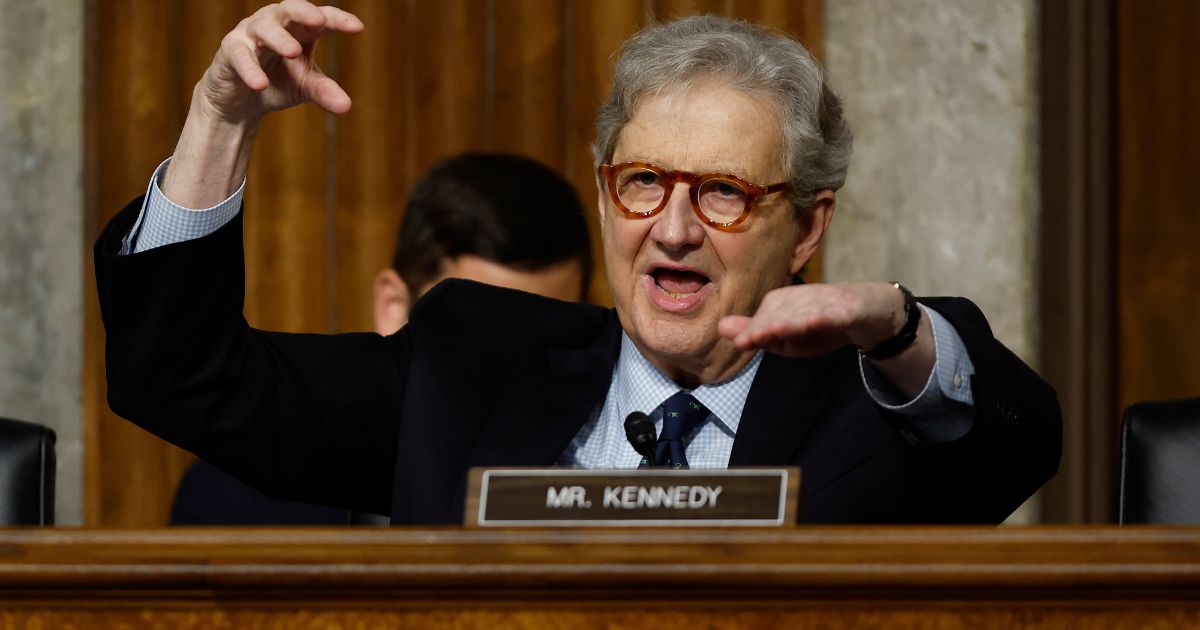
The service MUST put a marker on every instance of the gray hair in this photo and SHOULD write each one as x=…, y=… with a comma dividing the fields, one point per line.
x=749, y=57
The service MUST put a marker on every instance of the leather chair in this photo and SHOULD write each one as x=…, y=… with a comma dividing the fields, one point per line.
x=1160, y=463
x=26, y=473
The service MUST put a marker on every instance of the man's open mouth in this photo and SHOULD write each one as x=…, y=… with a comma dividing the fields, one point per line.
x=678, y=283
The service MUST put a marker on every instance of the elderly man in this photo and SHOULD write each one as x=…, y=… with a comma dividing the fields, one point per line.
x=718, y=156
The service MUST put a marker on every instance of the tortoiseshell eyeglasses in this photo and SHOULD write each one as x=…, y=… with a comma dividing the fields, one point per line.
x=641, y=190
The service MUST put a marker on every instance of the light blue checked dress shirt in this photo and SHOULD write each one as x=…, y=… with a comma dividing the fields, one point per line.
x=942, y=412
x=162, y=222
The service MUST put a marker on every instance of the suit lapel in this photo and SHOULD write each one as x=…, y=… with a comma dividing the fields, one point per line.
x=785, y=399
x=538, y=415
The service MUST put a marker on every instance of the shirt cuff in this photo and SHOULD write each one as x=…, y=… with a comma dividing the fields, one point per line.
x=162, y=222
x=943, y=411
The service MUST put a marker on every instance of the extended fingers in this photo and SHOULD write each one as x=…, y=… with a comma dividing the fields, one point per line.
x=286, y=27
x=245, y=63
x=749, y=332
x=315, y=20
x=341, y=21
x=298, y=11
x=800, y=320
x=732, y=325
x=261, y=30
x=272, y=35
x=765, y=332
x=793, y=331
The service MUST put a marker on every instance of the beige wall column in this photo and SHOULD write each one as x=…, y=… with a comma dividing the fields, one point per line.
x=943, y=187
x=41, y=224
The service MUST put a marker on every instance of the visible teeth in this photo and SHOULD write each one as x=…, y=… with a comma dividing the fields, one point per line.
x=672, y=293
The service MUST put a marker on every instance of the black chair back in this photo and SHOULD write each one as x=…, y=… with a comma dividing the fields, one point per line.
x=26, y=473
x=1160, y=463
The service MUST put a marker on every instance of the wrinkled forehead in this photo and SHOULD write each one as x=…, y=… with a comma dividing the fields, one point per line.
x=705, y=127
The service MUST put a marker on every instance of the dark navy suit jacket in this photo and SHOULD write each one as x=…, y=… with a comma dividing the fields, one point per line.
x=208, y=495
x=484, y=376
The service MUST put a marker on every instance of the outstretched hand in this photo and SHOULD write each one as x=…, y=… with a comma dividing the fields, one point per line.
x=266, y=63
x=812, y=319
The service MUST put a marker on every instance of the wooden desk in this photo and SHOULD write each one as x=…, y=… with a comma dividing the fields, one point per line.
x=847, y=577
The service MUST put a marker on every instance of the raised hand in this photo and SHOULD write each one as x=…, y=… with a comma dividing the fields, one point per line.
x=264, y=64
x=812, y=319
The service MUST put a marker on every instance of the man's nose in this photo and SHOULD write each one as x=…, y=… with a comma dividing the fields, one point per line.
x=677, y=227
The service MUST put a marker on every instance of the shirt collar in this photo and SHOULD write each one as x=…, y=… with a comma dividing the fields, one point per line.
x=642, y=387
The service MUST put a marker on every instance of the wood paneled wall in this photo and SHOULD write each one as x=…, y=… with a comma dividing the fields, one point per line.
x=1119, y=259
x=1076, y=252
x=325, y=194
x=1158, y=212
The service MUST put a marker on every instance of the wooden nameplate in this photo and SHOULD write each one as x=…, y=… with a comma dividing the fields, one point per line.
x=569, y=497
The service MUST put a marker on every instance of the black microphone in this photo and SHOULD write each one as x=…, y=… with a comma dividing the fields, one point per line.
x=639, y=430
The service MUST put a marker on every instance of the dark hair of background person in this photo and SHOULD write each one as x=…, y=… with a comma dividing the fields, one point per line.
x=504, y=208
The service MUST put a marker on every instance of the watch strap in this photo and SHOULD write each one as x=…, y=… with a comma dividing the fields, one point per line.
x=908, y=331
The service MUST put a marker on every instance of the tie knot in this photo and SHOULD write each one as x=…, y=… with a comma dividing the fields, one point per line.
x=682, y=413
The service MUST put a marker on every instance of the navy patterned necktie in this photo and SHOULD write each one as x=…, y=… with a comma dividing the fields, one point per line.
x=682, y=413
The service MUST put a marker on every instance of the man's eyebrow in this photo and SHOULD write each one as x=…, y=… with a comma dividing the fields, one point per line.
x=721, y=168
x=726, y=169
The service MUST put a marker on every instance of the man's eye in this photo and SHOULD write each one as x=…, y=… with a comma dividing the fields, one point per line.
x=646, y=178
x=729, y=190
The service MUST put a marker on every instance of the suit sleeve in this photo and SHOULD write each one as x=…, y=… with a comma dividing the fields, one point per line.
x=303, y=417
x=1015, y=442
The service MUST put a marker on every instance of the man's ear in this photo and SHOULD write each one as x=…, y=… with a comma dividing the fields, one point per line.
x=393, y=299
x=812, y=230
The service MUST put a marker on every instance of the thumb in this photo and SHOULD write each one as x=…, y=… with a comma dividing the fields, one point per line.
x=325, y=92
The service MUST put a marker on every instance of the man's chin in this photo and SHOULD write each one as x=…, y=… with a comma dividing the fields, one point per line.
x=675, y=338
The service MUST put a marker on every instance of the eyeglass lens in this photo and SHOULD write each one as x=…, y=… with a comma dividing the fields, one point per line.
x=643, y=190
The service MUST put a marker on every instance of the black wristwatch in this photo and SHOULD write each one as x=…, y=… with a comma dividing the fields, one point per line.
x=907, y=334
